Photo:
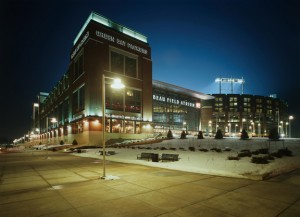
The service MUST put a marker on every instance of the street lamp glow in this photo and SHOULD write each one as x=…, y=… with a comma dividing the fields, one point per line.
x=53, y=120
x=117, y=84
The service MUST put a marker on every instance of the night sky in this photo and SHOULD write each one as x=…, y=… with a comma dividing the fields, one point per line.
x=192, y=42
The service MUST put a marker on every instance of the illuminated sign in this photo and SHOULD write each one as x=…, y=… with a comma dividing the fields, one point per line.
x=75, y=118
x=121, y=42
x=230, y=80
x=176, y=101
x=80, y=44
x=125, y=117
x=111, y=39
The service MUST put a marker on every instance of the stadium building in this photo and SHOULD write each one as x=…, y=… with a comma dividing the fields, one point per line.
x=104, y=50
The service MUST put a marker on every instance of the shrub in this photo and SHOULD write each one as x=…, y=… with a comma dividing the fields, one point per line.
x=227, y=149
x=233, y=158
x=263, y=151
x=256, y=152
x=273, y=134
x=219, y=134
x=259, y=160
x=170, y=134
x=244, y=154
x=216, y=149
x=269, y=157
x=285, y=152
x=183, y=135
x=200, y=135
x=192, y=148
x=245, y=150
x=203, y=149
x=244, y=134
x=74, y=142
x=61, y=142
x=276, y=154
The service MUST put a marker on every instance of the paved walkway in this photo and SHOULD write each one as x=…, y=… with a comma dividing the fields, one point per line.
x=66, y=185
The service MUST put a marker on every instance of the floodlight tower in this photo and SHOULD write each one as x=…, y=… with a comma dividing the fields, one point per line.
x=231, y=81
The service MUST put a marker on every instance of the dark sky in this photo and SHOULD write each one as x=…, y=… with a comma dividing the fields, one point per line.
x=192, y=42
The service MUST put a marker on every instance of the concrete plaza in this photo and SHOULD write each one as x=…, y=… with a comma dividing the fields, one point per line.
x=67, y=185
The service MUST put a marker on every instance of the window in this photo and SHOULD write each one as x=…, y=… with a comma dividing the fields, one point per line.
x=233, y=99
x=246, y=99
x=233, y=109
x=78, y=67
x=259, y=110
x=128, y=100
x=132, y=100
x=66, y=110
x=114, y=98
x=117, y=62
x=123, y=64
x=130, y=67
x=66, y=82
x=78, y=100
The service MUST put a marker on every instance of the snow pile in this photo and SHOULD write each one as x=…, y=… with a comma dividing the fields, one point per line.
x=206, y=160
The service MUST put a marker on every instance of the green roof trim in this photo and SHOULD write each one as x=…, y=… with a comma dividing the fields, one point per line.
x=109, y=23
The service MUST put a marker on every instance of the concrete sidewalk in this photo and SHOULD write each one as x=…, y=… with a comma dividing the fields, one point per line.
x=66, y=185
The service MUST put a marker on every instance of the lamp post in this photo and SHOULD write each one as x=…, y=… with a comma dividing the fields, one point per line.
x=281, y=128
x=52, y=120
x=236, y=125
x=290, y=125
x=253, y=127
x=243, y=120
x=210, y=127
x=117, y=84
x=185, y=127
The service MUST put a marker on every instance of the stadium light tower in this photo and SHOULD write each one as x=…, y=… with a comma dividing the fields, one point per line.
x=231, y=81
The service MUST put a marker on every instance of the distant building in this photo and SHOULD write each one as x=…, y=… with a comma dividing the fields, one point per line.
x=233, y=112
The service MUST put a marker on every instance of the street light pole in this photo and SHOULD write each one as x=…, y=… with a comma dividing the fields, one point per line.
x=243, y=120
x=53, y=120
x=290, y=125
x=117, y=85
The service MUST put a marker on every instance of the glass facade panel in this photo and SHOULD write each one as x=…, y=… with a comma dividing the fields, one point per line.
x=78, y=67
x=78, y=100
x=133, y=100
x=117, y=62
x=171, y=111
x=130, y=67
x=114, y=98
x=123, y=64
